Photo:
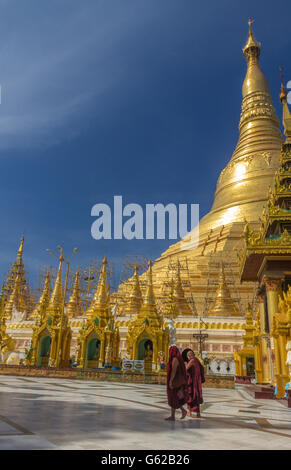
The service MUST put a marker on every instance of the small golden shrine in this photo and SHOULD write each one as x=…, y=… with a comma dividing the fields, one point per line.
x=51, y=337
x=98, y=339
x=6, y=342
x=18, y=301
x=223, y=304
x=146, y=333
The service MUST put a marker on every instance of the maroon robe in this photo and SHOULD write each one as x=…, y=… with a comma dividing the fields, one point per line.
x=195, y=379
x=177, y=396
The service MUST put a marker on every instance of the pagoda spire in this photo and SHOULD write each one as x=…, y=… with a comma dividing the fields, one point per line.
x=40, y=310
x=223, y=305
x=20, y=251
x=17, y=299
x=99, y=308
x=255, y=80
x=243, y=184
x=286, y=112
x=74, y=306
x=148, y=311
x=101, y=294
x=56, y=301
x=15, y=276
x=149, y=298
x=179, y=294
x=135, y=298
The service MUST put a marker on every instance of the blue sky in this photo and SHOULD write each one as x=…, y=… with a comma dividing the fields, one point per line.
x=139, y=98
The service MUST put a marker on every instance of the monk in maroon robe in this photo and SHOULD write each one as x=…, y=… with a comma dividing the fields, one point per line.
x=176, y=383
x=195, y=379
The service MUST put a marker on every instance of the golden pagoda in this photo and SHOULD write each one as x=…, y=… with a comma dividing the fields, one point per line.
x=19, y=302
x=51, y=337
x=266, y=259
x=241, y=192
x=98, y=339
x=146, y=333
x=242, y=187
x=74, y=307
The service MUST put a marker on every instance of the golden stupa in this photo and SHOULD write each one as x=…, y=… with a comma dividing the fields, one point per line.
x=241, y=193
x=194, y=287
x=242, y=187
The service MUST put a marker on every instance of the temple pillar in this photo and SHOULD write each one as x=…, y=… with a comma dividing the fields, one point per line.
x=266, y=376
x=278, y=374
x=258, y=361
x=273, y=290
x=283, y=376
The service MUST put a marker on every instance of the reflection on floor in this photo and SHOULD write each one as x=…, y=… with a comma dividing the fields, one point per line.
x=64, y=414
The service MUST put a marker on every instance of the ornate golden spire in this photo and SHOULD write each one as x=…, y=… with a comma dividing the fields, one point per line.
x=251, y=42
x=242, y=187
x=74, y=306
x=17, y=299
x=286, y=112
x=43, y=303
x=255, y=80
x=223, y=305
x=16, y=273
x=56, y=302
x=20, y=251
x=135, y=298
x=149, y=298
x=99, y=307
x=101, y=294
x=171, y=308
x=182, y=303
x=148, y=312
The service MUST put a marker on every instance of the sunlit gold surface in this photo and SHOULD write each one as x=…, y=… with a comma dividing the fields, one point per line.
x=223, y=304
x=242, y=187
x=17, y=292
x=74, y=307
x=42, y=305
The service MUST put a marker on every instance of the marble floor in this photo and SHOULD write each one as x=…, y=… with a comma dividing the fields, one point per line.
x=39, y=413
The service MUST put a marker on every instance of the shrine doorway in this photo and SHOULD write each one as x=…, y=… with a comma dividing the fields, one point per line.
x=44, y=351
x=142, y=347
x=93, y=353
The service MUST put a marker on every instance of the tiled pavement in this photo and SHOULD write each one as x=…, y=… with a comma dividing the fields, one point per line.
x=39, y=413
